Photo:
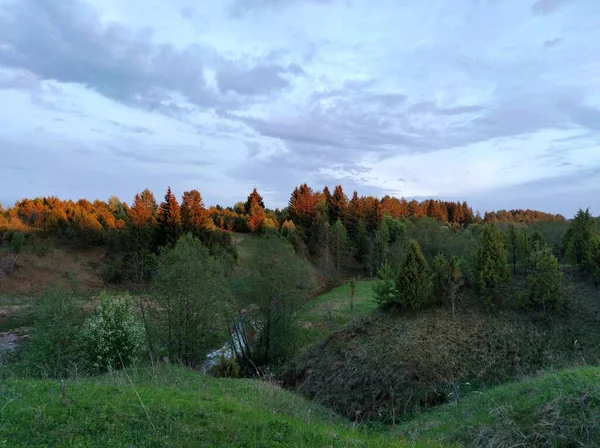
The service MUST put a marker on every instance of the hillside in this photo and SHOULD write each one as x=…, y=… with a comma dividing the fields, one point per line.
x=172, y=406
x=166, y=407
x=389, y=364
x=36, y=271
x=561, y=409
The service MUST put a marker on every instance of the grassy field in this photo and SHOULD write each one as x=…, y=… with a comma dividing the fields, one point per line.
x=176, y=407
x=170, y=407
x=331, y=311
x=556, y=410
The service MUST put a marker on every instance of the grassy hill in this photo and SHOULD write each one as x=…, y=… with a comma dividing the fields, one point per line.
x=390, y=364
x=556, y=410
x=170, y=407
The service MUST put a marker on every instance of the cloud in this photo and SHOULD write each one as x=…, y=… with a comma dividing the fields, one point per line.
x=547, y=6
x=258, y=80
x=551, y=43
x=452, y=99
x=71, y=44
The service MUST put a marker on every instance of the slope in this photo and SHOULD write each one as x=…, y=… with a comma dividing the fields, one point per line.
x=388, y=365
x=169, y=406
x=560, y=409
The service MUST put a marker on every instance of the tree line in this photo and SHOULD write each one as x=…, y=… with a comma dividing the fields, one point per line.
x=495, y=257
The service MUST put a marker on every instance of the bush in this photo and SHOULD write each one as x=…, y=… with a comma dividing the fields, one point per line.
x=226, y=368
x=52, y=349
x=17, y=242
x=112, y=337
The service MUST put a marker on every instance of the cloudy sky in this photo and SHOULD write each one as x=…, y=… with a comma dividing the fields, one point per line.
x=492, y=101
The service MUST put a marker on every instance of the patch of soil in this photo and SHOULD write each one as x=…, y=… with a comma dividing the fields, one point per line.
x=33, y=274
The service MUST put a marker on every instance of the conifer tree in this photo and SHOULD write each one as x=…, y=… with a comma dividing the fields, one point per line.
x=442, y=279
x=339, y=244
x=414, y=279
x=144, y=209
x=578, y=239
x=544, y=278
x=194, y=216
x=490, y=262
x=255, y=211
x=361, y=241
x=253, y=197
x=338, y=205
x=169, y=220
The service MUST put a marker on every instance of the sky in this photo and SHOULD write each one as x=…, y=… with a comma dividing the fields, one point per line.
x=496, y=102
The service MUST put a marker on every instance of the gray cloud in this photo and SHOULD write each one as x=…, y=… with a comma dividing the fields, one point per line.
x=70, y=44
x=551, y=43
x=258, y=80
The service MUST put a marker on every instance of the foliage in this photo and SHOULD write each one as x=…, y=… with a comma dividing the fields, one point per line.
x=17, y=242
x=52, y=349
x=112, y=337
x=169, y=220
x=490, y=262
x=578, y=239
x=384, y=290
x=272, y=292
x=414, y=280
x=442, y=279
x=226, y=368
x=544, y=279
x=340, y=249
x=191, y=301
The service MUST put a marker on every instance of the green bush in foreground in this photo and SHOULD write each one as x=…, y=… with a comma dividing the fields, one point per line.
x=112, y=337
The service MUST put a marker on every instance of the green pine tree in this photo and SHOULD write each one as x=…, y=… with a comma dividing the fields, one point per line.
x=490, y=263
x=544, y=279
x=414, y=280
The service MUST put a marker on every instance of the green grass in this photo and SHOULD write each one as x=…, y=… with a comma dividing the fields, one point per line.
x=331, y=311
x=245, y=244
x=558, y=410
x=170, y=407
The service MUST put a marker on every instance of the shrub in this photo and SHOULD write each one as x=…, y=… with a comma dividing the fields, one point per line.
x=112, y=337
x=226, y=368
x=17, y=242
x=52, y=349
